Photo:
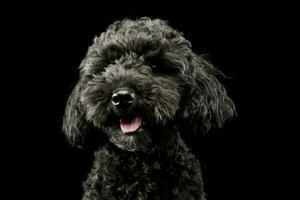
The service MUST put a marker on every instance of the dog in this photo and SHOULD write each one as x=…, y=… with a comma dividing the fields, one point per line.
x=141, y=90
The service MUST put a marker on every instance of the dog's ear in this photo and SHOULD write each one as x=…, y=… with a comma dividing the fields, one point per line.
x=205, y=102
x=77, y=129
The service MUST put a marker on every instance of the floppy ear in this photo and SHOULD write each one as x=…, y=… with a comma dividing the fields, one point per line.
x=77, y=129
x=205, y=102
x=74, y=123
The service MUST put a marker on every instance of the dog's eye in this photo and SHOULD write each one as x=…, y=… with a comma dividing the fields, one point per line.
x=163, y=70
x=155, y=69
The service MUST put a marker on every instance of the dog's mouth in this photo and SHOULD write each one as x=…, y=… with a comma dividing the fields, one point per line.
x=130, y=126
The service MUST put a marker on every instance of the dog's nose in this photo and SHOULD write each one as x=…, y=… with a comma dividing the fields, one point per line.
x=122, y=99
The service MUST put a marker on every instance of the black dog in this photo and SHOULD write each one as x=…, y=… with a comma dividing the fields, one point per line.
x=141, y=89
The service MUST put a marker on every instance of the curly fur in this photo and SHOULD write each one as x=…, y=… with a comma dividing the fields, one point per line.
x=176, y=91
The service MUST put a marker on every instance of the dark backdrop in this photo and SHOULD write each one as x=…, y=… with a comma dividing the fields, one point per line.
x=46, y=46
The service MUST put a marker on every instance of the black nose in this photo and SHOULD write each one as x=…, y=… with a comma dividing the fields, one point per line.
x=122, y=99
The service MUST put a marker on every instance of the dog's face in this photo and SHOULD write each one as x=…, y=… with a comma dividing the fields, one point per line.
x=129, y=99
x=138, y=78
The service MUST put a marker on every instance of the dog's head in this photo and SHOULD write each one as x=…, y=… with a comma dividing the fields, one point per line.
x=138, y=78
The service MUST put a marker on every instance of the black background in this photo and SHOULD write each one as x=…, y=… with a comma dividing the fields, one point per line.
x=45, y=45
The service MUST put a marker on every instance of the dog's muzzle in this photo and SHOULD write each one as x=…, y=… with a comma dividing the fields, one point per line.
x=122, y=100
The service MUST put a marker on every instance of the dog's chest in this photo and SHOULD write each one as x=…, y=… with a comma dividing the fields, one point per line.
x=127, y=177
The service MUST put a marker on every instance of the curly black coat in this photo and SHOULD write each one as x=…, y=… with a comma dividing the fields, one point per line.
x=172, y=91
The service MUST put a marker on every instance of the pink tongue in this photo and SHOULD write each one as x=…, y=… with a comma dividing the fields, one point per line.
x=129, y=126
